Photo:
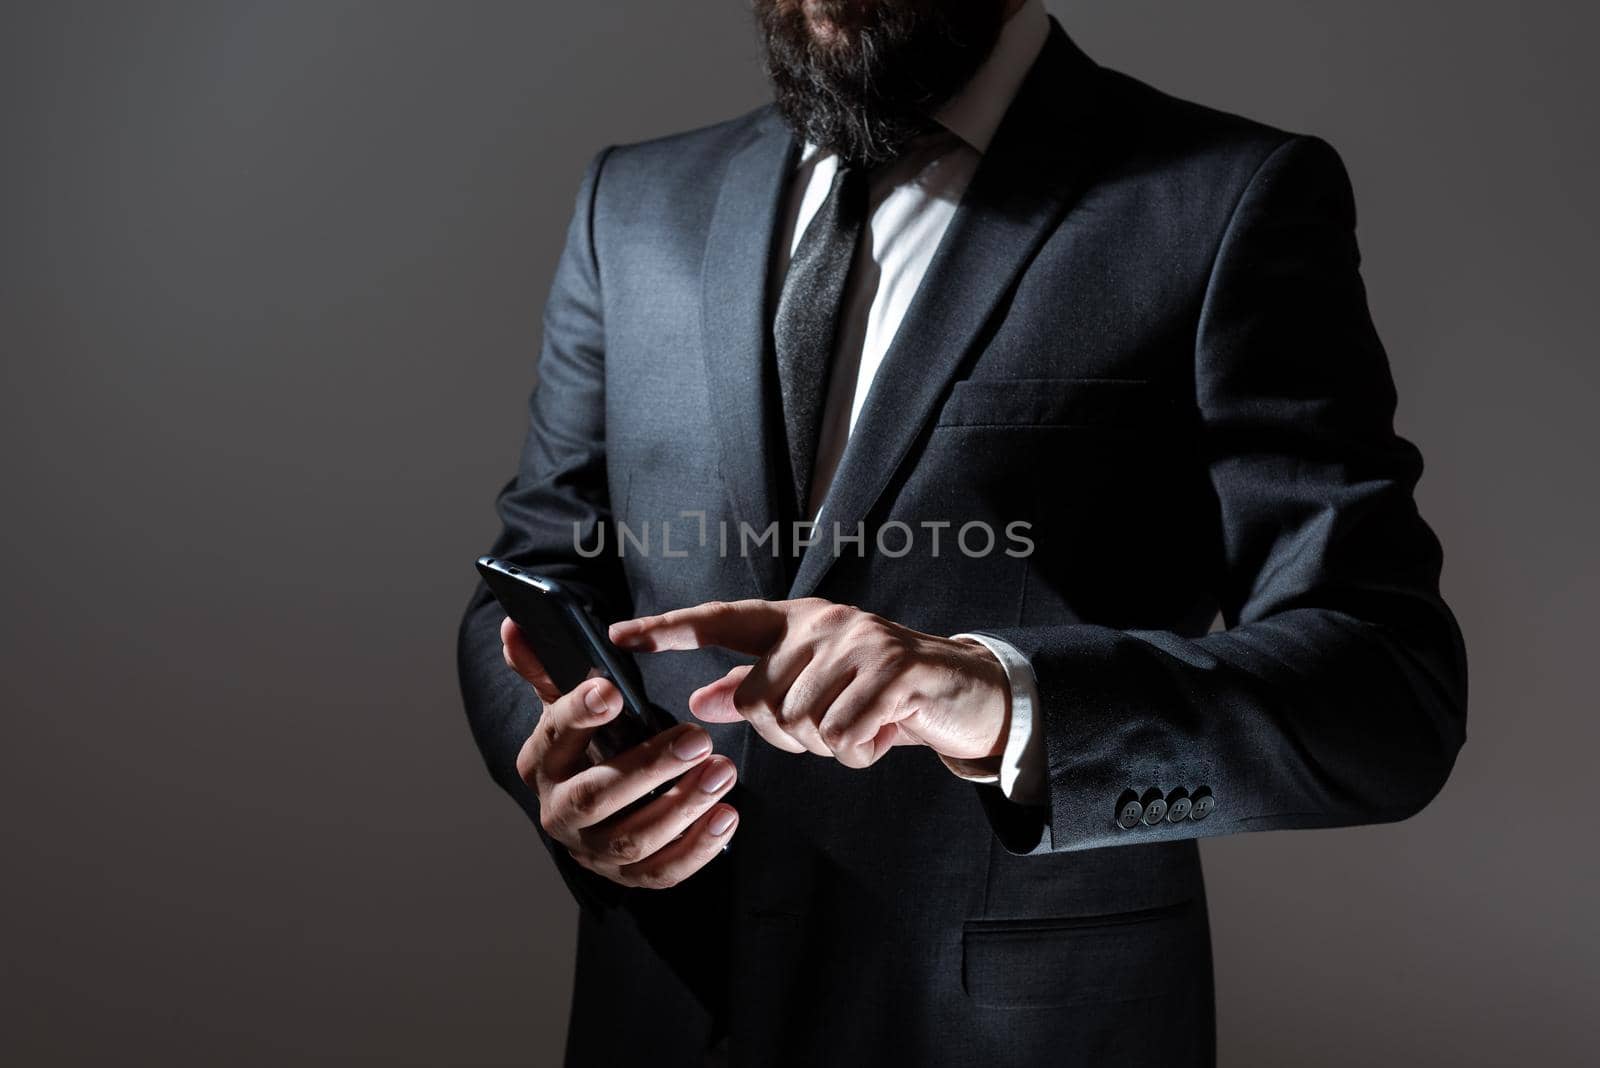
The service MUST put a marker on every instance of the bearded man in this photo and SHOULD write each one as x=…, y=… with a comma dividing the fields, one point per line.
x=989, y=460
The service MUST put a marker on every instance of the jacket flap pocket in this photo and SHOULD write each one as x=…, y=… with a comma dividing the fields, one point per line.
x=1084, y=960
x=1096, y=402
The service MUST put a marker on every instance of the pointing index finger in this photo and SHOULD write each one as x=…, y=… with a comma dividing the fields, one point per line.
x=750, y=627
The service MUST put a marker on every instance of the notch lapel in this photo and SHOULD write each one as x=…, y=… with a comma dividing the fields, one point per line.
x=1024, y=184
x=737, y=340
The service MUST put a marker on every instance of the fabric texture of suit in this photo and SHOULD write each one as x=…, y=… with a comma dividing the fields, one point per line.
x=1145, y=335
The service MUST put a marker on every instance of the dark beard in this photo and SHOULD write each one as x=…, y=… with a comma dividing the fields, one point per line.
x=888, y=65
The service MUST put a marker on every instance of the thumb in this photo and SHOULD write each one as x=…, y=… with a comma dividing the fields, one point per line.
x=713, y=702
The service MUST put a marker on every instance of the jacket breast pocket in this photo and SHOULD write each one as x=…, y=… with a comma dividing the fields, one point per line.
x=1128, y=956
x=1104, y=403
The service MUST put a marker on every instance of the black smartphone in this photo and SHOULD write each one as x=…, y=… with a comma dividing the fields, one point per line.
x=573, y=647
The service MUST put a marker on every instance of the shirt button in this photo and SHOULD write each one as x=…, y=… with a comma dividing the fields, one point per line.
x=1129, y=811
x=1203, y=804
x=1178, y=808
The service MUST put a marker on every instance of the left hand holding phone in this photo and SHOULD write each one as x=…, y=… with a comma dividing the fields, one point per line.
x=585, y=806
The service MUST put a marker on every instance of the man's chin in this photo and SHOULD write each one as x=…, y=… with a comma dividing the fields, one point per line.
x=825, y=28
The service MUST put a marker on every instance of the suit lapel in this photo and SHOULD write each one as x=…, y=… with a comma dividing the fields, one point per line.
x=1032, y=172
x=734, y=321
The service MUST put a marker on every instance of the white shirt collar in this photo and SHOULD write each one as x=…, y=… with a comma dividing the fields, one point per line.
x=975, y=112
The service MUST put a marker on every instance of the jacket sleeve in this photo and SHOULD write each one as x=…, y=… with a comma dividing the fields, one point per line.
x=557, y=501
x=1336, y=695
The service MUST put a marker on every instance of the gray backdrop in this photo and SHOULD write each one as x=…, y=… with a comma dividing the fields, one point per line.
x=270, y=284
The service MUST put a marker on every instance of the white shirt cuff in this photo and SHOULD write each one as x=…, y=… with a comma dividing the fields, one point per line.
x=1022, y=775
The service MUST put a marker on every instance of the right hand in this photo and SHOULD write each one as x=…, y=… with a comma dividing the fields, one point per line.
x=656, y=845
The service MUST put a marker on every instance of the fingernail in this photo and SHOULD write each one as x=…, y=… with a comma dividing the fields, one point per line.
x=725, y=818
x=717, y=774
x=691, y=744
x=593, y=701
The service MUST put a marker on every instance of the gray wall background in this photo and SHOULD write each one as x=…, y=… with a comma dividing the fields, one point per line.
x=272, y=276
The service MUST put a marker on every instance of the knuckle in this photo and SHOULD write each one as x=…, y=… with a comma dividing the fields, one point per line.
x=777, y=738
x=833, y=733
x=708, y=617
x=651, y=879
x=528, y=768
x=863, y=623
x=752, y=704
x=835, y=617
x=790, y=713
x=582, y=797
x=623, y=848
x=554, y=733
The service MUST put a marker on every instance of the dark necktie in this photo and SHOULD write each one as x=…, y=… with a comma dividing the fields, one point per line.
x=807, y=320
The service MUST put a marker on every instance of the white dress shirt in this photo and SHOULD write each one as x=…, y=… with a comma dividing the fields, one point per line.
x=912, y=201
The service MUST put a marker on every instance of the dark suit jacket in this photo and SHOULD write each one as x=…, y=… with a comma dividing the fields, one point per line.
x=1145, y=335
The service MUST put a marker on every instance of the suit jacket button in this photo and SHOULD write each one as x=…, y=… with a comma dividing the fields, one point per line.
x=1155, y=807
x=1178, y=806
x=1129, y=811
x=1203, y=804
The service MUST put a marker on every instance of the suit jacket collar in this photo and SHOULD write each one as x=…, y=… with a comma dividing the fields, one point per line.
x=1034, y=168
x=734, y=320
